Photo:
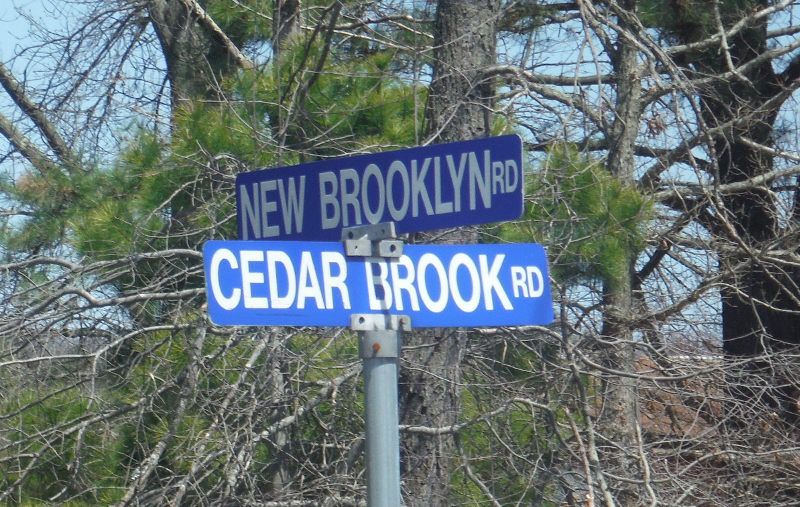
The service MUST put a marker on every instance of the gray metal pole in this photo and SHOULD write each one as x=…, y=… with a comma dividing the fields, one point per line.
x=379, y=338
x=380, y=425
x=379, y=341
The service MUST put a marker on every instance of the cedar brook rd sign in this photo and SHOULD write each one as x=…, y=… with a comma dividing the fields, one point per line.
x=315, y=284
x=419, y=189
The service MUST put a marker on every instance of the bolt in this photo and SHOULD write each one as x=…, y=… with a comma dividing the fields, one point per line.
x=376, y=347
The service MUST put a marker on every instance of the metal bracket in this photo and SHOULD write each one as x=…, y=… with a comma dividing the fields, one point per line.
x=373, y=240
x=379, y=322
x=379, y=336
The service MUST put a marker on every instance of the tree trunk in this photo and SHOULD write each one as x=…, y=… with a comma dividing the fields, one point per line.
x=760, y=314
x=460, y=99
x=618, y=417
x=459, y=108
x=285, y=21
x=195, y=60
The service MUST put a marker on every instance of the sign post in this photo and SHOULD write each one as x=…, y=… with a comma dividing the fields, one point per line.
x=379, y=339
x=379, y=348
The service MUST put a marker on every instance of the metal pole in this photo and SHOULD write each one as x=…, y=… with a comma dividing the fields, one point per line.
x=379, y=338
x=380, y=416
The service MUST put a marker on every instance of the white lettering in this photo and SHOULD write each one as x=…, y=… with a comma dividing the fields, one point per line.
x=497, y=177
x=518, y=281
x=406, y=283
x=462, y=259
x=350, y=198
x=426, y=260
x=227, y=303
x=381, y=279
x=534, y=271
x=330, y=281
x=275, y=257
x=490, y=282
x=249, y=278
x=457, y=177
x=250, y=211
x=484, y=183
x=441, y=207
x=510, y=164
x=308, y=283
x=267, y=206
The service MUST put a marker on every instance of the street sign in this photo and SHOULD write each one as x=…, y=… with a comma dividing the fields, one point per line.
x=286, y=283
x=419, y=189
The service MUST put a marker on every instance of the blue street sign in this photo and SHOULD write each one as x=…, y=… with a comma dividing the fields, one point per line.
x=287, y=283
x=419, y=189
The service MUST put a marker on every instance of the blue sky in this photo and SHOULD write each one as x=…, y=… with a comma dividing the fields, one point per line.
x=13, y=32
x=13, y=27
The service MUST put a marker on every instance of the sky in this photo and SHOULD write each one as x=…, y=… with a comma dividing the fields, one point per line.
x=14, y=28
x=13, y=32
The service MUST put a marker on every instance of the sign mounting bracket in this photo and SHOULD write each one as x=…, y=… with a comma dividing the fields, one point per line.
x=373, y=240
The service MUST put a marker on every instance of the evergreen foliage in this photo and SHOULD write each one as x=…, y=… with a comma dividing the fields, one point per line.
x=116, y=389
x=592, y=224
x=692, y=20
x=175, y=191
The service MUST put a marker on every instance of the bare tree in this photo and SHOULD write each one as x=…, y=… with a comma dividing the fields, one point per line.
x=662, y=174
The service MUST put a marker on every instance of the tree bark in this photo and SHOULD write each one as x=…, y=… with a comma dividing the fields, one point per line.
x=760, y=314
x=285, y=21
x=196, y=51
x=459, y=108
x=618, y=418
x=460, y=98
